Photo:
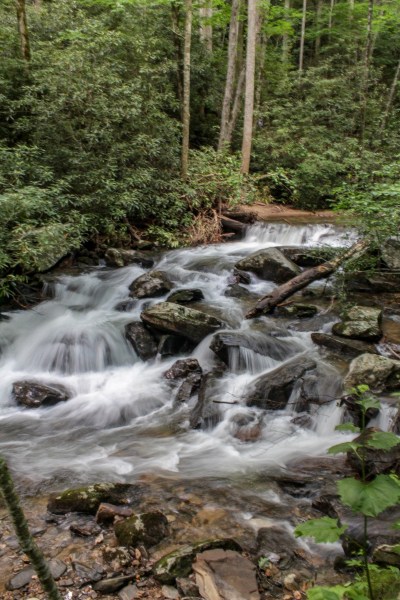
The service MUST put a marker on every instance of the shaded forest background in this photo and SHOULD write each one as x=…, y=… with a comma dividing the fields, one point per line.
x=91, y=103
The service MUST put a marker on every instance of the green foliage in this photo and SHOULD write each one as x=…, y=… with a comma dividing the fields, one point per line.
x=322, y=530
x=372, y=497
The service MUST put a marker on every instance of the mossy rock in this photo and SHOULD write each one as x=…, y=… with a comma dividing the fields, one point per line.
x=179, y=563
x=147, y=529
x=297, y=310
x=88, y=499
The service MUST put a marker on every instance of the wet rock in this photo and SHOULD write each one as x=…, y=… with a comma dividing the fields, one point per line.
x=387, y=555
x=118, y=257
x=88, y=499
x=269, y=264
x=150, y=285
x=186, y=296
x=188, y=388
x=88, y=573
x=273, y=390
x=106, y=513
x=142, y=341
x=35, y=395
x=341, y=346
x=276, y=543
x=147, y=529
x=247, y=427
x=380, y=533
x=238, y=291
x=225, y=575
x=85, y=530
x=377, y=282
x=310, y=257
x=179, y=563
x=125, y=305
x=130, y=592
x=182, y=368
x=241, y=276
x=360, y=323
x=297, y=311
x=390, y=252
x=187, y=587
x=112, y=585
x=169, y=592
x=181, y=320
x=379, y=372
x=376, y=461
x=57, y=568
x=171, y=345
x=21, y=579
x=205, y=412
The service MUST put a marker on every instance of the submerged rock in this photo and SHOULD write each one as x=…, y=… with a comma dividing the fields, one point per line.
x=142, y=341
x=150, y=285
x=341, y=345
x=119, y=257
x=186, y=296
x=181, y=320
x=146, y=528
x=171, y=345
x=88, y=499
x=360, y=323
x=35, y=395
x=179, y=563
x=379, y=372
x=269, y=264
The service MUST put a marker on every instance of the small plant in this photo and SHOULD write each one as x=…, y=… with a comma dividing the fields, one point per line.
x=368, y=495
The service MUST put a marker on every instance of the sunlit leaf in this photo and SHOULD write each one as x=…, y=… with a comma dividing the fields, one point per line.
x=370, y=498
x=322, y=530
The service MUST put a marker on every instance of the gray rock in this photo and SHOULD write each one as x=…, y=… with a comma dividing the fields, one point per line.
x=112, y=585
x=379, y=372
x=150, y=285
x=341, y=346
x=171, y=345
x=146, y=528
x=205, y=412
x=269, y=264
x=88, y=499
x=179, y=563
x=238, y=291
x=182, y=368
x=391, y=253
x=21, y=579
x=297, y=310
x=130, y=592
x=118, y=257
x=186, y=296
x=387, y=555
x=169, y=592
x=376, y=282
x=187, y=587
x=310, y=257
x=142, y=341
x=88, y=573
x=35, y=395
x=188, y=388
x=106, y=512
x=57, y=568
x=276, y=541
x=273, y=390
x=181, y=320
x=360, y=323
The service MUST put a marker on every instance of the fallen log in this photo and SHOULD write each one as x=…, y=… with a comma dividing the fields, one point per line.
x=267, y=303
x=232, y=224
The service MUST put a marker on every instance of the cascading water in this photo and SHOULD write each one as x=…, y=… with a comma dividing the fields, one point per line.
x=121, y=419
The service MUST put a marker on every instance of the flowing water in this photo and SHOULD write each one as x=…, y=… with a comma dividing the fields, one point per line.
x=121, y=420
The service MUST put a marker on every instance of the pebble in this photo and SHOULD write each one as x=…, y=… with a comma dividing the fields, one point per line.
x=130, y=592
x=170, y=592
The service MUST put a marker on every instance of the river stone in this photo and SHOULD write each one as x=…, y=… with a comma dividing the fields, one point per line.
x=390, y=252
x=205, y=412
x=173, y=318
x=379, y=372
x=297, y=310
x=186, y=296
x=130, y=592
x=88, y=499
x=35, y=395
x=341, y=345
x=107, y=512
x=273, y=390
x=150, y=285
x=225, y=575
x=377, y=282
x=269, y=264
x=360, y=323
x=182, y=368
x=114, y=584
x=146, y=528
x=88, y=573
x=171, y=345
x=238, y=291
x=310, y=257
x=21, y=579
x=142, y=341
x=179, y=563
x=118, y=257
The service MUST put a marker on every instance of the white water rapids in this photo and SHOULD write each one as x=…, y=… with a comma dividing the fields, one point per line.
x=121, y=420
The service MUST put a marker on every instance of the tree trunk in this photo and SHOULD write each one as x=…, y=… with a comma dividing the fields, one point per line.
x=23, y=30
x=269, y=302
x=206, y=32
x=318, y=13
x=186, y=89
x=390, y=99
x=285, y=37
x=230, y=73
x=249, y=90
x=178, y=51
x=365, y=78
x=330, y=18
x=236, y=107
x=302, y=37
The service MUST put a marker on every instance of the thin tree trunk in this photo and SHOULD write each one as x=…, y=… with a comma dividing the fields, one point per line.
x=365, y=79
x=285, y=37
x=318, y=13
x=25, y=539
x=236, y=107
x=178, y=51
x=302, y=37
x=330, y=18
x=249, y=90
x=186, y=88
x=23, y=30
x=230, y=73
x=390, y=99
x=268, y=303
x=206, y=31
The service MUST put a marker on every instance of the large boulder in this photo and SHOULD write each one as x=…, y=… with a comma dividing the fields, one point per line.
x=147, y=529
x=379, y=372
x=119, y=257
x=185, y=296
x=341, y=346
x=273, y=390
x=142, y=341
x=310, y=257
x=169, y=317
x=376, y=282
x=360, y=323
x=270, y=264
x=35, y=395
x=88, y=499
x=150, y=285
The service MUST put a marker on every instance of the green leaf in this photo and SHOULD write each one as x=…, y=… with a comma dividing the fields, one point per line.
x=344, y=447
x=322, y=593
x=367, y=402
x=382, y=440
x=322, y=530
x=263, y=562
x=348, y=427
x=370, y=498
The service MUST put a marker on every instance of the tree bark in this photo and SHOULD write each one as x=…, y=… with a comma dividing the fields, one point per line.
x=285, y=37
x=268, y=303
x=318, y=12
x=206, y=32
x=390, y=99
x=23, y=30
x=178, y=51
x=186, y=88
x=230, y=73
x=236, y=107
x=302, y=37
x=250, y=80
x=365, y=78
